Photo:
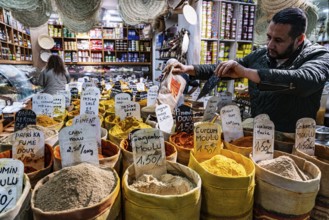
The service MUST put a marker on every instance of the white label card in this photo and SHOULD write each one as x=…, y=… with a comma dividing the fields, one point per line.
x=92, y=120
x=207, y=140
x=231, y=122
x=11, y=183
x=78, y=144
x=261, y=117
x=120, y=99
x=89, y=102
x=67, y=95
x=86, y=85
x=130, y=109
x=94, y=90
x=205, y=101
x=263, y=140
x=152, y=95
x=225, y=98
x=108, y=86
x=165, y=119
x=59, y=105
x=29, y=147
x=77, y=85
x=140, y=86
x=195, y=94
x=305, y=135
x=184, y=119
x=211, y=108
x=43, y=104
x=149, y=152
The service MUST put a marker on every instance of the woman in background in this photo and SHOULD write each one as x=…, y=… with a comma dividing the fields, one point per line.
x=54, y=76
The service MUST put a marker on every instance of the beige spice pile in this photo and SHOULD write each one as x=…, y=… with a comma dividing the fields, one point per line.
x=73, y=187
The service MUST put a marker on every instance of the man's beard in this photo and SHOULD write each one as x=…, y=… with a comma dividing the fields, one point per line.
x=286, y=54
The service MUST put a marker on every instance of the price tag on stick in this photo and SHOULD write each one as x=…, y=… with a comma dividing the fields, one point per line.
x=120, y=99
x=67, y=95
x=261, y=117
x=29, y=147
x=211, y=108
x=207, y=140
x=89, y=102
x=24, y=118
x=92, y=120
x=263, y=140
x=86, y=85
x=305, y=135
x=42, y=104
x=225, y=98
x=184, y=119
x=149, y=152
x=11, y=179
x=78, y=144
x=59, y=105
x=231, y=122
x=130, y=109
x=165, y=119
x=152, y=95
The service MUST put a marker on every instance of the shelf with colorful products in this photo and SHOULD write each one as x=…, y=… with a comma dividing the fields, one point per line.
x=227, y=32
x=15, y=40
x=102, y=45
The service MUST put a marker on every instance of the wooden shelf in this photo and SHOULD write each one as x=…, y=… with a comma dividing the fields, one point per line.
x=15, y=62
x=91, y=39
x=16, y=43
x=109, y=63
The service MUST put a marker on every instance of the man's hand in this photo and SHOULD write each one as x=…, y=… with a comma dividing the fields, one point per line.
x=230, y=69
x=233, y=69
x=179, y=68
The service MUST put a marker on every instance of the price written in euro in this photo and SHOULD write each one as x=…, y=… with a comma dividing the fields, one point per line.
x=263, y=140
x=148, y=152
x=207, y=141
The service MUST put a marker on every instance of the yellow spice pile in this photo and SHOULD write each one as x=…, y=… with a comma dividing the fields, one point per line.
x=223, y=166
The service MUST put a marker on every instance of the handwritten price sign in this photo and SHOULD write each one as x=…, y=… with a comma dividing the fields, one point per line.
x=120, y=99
x=263, y=140
x=184, y=119
x=207, y=141
x=305, y=135
x=78, y=144
x=42, y=104
x=11, y=178
x=211, y=108
x=89, y=102
x=231, y=122
x=149, y=152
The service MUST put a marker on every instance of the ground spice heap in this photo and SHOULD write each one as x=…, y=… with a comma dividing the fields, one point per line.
x=167, y=184
x=78, y=186
x=284, y=166
x=223, y=166
x=45, y=121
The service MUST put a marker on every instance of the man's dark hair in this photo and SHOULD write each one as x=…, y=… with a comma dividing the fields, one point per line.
x=293, y=16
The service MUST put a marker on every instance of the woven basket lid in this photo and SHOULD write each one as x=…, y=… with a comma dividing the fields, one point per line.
x=79, y=26
x=46, y=42
x=44, y=55
x=141, y=11
x=78, y=10
x=273, y=6
x=35, y=17
x=20, y=4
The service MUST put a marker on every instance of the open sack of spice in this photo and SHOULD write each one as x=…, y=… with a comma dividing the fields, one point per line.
x=171, y=89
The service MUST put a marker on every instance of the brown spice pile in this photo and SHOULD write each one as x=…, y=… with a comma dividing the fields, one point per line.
x=286, y=167
x=73, y=187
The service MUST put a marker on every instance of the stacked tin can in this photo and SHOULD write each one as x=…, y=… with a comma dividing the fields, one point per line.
x=228, y=23
x=248, y=17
